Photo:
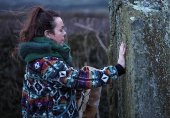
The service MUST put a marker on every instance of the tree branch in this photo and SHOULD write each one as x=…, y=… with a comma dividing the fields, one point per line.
x=93, y=30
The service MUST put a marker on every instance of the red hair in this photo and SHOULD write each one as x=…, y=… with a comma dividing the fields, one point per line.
x=39, y=21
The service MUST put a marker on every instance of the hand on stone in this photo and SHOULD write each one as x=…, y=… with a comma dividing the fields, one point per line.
x=121, y=59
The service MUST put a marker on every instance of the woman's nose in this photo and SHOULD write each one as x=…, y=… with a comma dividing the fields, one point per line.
x=65, y=32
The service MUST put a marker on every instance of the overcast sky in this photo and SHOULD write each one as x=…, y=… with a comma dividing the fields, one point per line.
x=63, y=5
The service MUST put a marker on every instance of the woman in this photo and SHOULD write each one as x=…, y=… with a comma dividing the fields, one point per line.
x=49, y=84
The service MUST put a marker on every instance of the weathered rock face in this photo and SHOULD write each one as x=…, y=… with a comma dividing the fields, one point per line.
x=144, y=26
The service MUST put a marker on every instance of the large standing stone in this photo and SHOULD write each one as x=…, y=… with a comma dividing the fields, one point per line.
x=144, y=26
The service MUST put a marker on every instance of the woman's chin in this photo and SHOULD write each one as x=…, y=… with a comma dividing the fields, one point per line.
x=61, y=44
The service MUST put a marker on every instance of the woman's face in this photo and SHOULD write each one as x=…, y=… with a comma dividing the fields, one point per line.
x=59, y=33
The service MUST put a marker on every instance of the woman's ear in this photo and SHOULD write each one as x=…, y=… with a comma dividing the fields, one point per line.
x=47, y=34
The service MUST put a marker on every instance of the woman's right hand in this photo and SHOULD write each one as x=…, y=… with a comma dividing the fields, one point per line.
x=122, y=51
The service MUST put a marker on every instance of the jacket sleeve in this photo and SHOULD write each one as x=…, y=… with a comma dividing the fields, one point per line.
x=57, y=71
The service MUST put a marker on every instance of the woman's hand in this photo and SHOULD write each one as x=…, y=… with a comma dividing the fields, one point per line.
x=121, y=59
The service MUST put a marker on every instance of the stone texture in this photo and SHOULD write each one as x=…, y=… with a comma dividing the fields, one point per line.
x=144, y=26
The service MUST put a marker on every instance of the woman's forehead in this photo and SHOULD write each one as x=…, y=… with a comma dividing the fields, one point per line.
x=58, y=21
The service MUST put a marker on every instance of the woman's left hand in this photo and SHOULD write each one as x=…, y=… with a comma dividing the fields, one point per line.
x=122, y=51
